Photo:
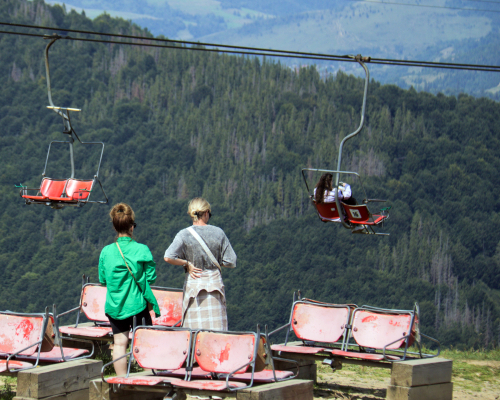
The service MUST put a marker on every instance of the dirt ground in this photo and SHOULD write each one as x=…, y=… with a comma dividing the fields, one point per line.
x=471, y=380
x=360, y=383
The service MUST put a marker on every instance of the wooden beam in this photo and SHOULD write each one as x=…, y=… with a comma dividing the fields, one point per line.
x=57, y=379
x=295, y=389
x=100, y=390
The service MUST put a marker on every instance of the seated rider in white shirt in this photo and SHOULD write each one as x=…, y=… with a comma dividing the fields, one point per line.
x=324, y=193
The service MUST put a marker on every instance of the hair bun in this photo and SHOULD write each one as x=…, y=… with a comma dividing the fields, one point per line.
x=122, y=217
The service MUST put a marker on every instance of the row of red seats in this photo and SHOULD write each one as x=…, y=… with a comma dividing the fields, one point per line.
x=377, y=334
x=219, y=362
x=359, y=214
x=61, y=190
x=93, y=299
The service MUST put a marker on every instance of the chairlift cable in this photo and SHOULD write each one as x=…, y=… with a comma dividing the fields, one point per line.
x=252, y=50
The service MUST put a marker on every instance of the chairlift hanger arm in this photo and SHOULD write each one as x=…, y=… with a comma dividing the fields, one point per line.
x=53, y=39
x=360, y=61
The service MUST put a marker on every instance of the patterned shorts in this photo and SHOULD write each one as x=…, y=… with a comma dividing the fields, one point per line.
x=206, y=311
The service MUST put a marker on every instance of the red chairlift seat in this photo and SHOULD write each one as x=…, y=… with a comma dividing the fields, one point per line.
x=93, y=299
x=316, y=322
x=327, y=211
x=76, y=190
x=25, y=337
x=222, y=353
x=156, y=348
x=170, y=303
x=48, y=188
x=360, y=214
x=381, y=329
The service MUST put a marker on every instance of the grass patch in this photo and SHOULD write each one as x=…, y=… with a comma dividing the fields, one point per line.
x=6, y=388
x=484, y=355
x=473, y=371
x=104, y=355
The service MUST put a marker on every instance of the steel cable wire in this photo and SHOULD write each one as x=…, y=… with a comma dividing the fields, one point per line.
x=255, y=51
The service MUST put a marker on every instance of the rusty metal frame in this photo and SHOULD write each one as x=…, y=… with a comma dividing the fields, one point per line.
x=59, y=339
x=272, y=358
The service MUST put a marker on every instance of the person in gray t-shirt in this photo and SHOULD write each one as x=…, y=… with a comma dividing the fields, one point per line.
x=204, y=301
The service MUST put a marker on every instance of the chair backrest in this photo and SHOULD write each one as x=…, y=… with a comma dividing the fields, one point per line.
x=160, y=348
x=170, y=303
x=52, y=187
x=18, y=331
x=224, y=353
x=358, y=213
x=327, y=211
x=93, y=301
x=79, y=189
x=376, y=329
x=320, y=323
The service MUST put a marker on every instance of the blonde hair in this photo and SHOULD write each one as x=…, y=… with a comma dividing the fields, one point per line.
x=197, y=207
x=122, y=217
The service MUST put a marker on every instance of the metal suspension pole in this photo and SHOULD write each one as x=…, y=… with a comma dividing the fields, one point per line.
x=360, y=60
x=66, y=120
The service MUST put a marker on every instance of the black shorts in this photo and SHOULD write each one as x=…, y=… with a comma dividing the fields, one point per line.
x=125, y=325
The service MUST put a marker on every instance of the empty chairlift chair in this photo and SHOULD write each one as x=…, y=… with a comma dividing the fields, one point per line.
x=155, y=348
x=228, y=353
x=319, y=326
x=58, y=193
x=48, y=188
x=386, y=335
x=361, y=215
x=27, y=339
x=170, y=303
x=92, y=304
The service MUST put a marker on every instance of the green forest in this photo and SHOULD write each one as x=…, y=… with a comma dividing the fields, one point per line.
x=179, y=123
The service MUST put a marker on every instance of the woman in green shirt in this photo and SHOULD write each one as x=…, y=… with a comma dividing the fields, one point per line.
x=127, y=269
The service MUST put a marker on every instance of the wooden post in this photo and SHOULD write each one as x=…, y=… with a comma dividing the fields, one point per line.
x=100, y=390
x=307, y=368
x=295, y=389
x=63, y=381
x=428, y=378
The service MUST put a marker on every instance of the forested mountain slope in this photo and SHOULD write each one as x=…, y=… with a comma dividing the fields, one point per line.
x=179, y=124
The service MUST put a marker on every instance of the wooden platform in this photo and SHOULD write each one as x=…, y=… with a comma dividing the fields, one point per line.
x=296, y=389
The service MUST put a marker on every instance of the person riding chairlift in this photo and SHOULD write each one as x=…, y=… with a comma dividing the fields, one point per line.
x=324, y=193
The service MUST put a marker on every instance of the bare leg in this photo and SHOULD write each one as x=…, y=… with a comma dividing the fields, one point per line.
x=119, y=349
